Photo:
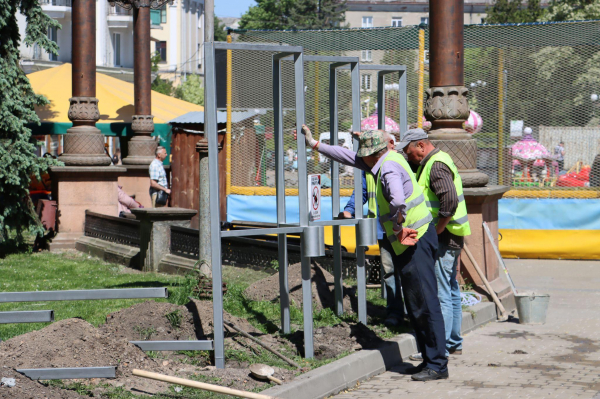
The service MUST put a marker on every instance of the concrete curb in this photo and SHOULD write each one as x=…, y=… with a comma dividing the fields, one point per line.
x=484, y=312
x=347, y=372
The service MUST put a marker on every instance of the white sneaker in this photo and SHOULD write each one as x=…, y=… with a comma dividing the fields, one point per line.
x=417, y=357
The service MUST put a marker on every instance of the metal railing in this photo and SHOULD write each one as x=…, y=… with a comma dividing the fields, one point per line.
x=114, y=229
x=60, y=3
x=119, y=11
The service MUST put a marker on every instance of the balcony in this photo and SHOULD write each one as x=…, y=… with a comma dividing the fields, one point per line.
x=119, y=17
x=56, y=9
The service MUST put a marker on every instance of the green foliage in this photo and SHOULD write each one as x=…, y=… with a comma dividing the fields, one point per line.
x=145, y=333
x=174, y=318
x=17, y=100
x=155, y=59
x=572, y=10
x=164, y=86
x=514, y=11
x=220, y=30
x=192, y=90
x=295, y=14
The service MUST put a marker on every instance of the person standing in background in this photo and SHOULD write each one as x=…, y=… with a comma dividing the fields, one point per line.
x=158, y=176
x=559, y=153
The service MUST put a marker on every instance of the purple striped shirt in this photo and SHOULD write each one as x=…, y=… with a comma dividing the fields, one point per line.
x=395, y=180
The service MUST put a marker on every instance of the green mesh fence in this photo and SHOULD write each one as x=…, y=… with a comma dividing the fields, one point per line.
x=545, y=77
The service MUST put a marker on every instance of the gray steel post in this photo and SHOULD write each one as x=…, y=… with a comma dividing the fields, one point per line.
x=284, y=290
x=174, y=345
x=67, y=373
x=403, y=100
x=210, y=130
x=82, y=295
x=338, y=282
x=303, y=204
x=361, y=279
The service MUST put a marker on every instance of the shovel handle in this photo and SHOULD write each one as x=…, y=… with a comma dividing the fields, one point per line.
x=199, y=385
x=275, y=380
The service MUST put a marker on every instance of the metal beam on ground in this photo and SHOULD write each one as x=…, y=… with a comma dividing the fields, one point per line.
x=174, y=345
x=79, y=295
x=27, y=316
x=69, y=373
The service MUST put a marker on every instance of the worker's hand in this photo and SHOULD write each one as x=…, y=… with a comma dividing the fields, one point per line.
x=345, y=215
x=407, y=236
x=168, y=191
x=310, y=141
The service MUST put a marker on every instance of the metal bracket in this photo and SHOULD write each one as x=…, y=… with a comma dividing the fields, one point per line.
x=69, y=373
x=79, y=295
x=27, y=316
x=174, y=345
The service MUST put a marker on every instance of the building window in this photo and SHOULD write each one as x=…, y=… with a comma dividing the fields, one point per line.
x=161, y=48
x=53, y=35
x=425, y=20
x=366, y=82
x=367, y=22
x=366, y=55
x=397, y=22
x=117, y=48
x=163, y=14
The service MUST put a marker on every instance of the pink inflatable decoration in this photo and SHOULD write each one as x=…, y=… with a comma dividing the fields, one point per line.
x=474, y=123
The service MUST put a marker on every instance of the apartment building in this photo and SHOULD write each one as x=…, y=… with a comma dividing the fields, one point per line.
x=176, y=33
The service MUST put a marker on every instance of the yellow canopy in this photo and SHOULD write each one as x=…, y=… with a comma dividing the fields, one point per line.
x=115, y=98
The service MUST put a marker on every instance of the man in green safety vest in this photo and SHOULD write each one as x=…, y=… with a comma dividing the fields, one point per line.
x=442, y=186
x=408, y=228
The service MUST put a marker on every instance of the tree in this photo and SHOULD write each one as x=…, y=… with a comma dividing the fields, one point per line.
x=192, y=90
x=17, y=100
x=514, y=11
x=220, y=30
x=572, y=10
x=163, y=86
x=295, y=14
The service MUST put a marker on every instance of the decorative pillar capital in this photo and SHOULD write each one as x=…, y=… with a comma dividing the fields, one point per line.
x=447, y=107
x=142, y=124
x=84, y=110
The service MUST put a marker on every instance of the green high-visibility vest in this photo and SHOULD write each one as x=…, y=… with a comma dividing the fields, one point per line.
x=417, y=214
x=459, y=224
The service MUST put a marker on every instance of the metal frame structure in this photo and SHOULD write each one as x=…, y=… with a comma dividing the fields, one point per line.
x=27, y=316
x=312, y=233
x=78, y=295
x=69, y=373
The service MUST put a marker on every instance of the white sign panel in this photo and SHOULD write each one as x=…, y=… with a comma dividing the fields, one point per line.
x=314, y=197
x=516, y=128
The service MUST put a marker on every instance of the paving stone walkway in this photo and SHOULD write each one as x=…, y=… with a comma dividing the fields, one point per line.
x=560, y=359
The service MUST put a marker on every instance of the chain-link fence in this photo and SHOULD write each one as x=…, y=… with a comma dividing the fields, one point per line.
x=536, y=87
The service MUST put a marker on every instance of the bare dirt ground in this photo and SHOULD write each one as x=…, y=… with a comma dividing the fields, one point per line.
x=76, y=343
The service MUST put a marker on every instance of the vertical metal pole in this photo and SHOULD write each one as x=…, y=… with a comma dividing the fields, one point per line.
x=361, y=279
x=284, y=290
x=303, y=203
x=403, y=104
x=338, y=287
x=500, y=116
x=381, y=126
x=380, y=101
x=228, y=127
x=421, y=75
x=210, y=128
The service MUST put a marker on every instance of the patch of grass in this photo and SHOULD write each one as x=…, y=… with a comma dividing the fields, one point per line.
x=174, y=319
x=72, y=270
x=145, y=333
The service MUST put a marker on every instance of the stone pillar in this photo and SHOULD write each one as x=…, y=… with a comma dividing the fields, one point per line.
x=84, y=144
x=447, y=108
x=142, y=145
x=446, y=105
x=155, y=232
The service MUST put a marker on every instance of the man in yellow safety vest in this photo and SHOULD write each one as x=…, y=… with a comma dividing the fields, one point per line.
x=408, y=228
x=442, y=186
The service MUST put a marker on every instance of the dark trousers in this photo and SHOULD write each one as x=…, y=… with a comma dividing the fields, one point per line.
x=416, y=266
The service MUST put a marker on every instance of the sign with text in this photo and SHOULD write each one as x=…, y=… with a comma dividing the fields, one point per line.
x=314, y=197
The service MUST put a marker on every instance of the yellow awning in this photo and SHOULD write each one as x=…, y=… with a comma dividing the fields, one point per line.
x=115, y=98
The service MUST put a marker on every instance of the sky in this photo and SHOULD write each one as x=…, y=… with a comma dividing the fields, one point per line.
x=232, y=8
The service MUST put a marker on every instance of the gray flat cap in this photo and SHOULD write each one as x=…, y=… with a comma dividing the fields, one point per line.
x=411, y=135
